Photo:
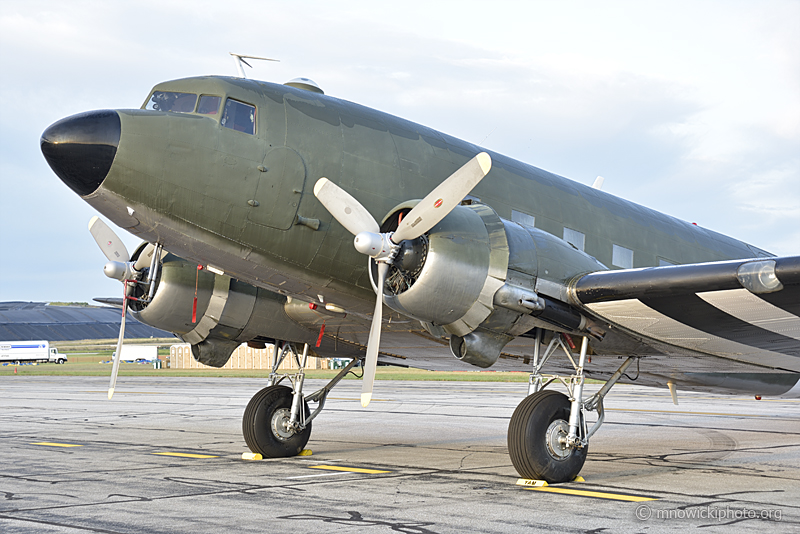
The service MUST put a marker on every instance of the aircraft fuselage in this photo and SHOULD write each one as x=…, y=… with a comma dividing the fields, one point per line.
x=237, y=200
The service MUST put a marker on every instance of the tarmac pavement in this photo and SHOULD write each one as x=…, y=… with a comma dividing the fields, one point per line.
x=164, y=456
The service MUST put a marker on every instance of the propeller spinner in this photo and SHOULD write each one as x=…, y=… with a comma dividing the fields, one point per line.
x=383, y=247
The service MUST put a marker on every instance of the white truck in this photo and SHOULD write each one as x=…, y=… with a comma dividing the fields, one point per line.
x=139, y=353
x=29, y=351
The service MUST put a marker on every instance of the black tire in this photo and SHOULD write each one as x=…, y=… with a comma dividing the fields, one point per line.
x=60, y=361
x=528, y=436
x=266, y=407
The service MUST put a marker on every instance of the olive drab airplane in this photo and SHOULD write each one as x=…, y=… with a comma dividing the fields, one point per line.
x=275, y=214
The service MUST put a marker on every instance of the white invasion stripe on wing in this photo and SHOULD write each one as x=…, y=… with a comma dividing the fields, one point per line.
x=638, y=317
x=749, y=308
x=793, y=393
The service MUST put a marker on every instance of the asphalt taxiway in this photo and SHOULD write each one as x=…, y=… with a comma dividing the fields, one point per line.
x=165, y=456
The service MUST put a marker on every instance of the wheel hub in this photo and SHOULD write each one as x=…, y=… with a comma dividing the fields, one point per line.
x=556, y=438
x=280, y=424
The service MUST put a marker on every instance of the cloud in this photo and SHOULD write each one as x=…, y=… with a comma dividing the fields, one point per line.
x=691, y=108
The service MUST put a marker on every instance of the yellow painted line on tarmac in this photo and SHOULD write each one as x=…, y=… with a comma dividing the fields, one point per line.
x=541, y=483
x=184, y=455
x=348, y=469
x=594, y=494
x=48, y=444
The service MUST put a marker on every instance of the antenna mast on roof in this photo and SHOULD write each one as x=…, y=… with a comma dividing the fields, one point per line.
x=239, y=58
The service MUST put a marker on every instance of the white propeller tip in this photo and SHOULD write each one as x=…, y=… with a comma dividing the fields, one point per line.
x=110, y=393
x=319, y=185
x=93, y=220
x=485, y=161
x=365, y=398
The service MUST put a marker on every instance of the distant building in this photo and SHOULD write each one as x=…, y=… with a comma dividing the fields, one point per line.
x=244, y=357
x=23, y=321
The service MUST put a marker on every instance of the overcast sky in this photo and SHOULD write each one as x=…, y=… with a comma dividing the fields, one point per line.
x=691, y=108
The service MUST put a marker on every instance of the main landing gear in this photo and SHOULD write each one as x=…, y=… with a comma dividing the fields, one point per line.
x=548, y=438
x=277, y=420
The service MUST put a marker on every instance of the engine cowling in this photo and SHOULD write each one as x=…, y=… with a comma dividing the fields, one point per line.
x=474, y=277
x=452, y=280
x=228, y=313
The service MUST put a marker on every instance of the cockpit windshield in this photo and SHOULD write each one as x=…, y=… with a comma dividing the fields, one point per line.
x=209, y=105
x=234, y=114
x=239, y=116
x=174, y=102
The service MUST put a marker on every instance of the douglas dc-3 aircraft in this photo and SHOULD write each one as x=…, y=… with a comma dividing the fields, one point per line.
x=255, y=190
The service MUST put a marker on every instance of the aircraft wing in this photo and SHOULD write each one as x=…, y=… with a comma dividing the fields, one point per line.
x=744, y=310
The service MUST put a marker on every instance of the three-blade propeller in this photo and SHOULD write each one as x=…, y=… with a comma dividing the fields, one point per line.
x=383, y=247
x=120, y=268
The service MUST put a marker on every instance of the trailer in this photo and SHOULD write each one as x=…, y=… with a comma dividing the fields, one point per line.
x=29, y=351
x=139, y=353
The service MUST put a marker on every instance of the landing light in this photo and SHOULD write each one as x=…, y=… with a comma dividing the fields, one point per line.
x=759, y=277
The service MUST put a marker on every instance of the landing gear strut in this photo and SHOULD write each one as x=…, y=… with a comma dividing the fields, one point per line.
x=277, y=420
x=548, y=438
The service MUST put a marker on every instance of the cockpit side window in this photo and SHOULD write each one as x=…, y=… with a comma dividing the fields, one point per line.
x=170, y=101
x=209, y=105
x=239, y=116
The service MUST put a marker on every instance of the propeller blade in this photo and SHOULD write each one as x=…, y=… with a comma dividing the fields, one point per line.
x=146, y=257
x=111, y=245
x=373, y=344
x=441, y=201
x=110, y=301
x=344, y=208
x=117, y=354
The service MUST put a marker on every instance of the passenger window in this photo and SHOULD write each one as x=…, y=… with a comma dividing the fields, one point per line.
x=622, y=257
x=174, y=102
x=575, y=238
x=523, y=218
x=239, y=116
x=209, y=105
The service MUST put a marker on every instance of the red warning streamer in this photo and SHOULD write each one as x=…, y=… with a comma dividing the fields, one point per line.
x=194, y=304
x=321, y=333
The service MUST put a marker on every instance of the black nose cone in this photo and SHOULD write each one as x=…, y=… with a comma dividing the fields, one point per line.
x=80, y=149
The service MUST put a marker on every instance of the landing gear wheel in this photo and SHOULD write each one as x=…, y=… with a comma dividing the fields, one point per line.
x=533, y=439
x=264, y=424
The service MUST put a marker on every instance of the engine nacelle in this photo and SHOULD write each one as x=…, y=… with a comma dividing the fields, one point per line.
x=463, y=263
x=474, y=276
x=228, y=312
